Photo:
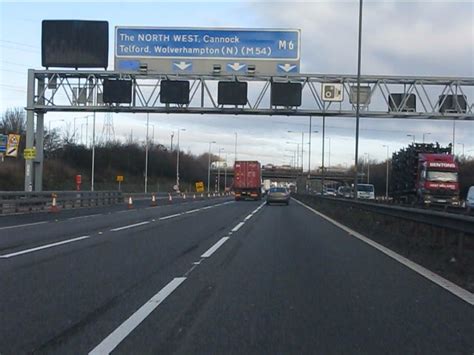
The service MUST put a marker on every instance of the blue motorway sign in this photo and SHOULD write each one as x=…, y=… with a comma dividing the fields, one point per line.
x=207, y=43
x=3, y=143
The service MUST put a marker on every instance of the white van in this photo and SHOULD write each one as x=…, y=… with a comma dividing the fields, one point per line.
x=365, y=192
x=470, y=198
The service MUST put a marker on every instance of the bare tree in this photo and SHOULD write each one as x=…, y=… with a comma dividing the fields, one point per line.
x=52, y=143
x=68, y=135
x=13, y=121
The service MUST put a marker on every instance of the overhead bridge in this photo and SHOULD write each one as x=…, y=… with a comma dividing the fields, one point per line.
x=293, y=174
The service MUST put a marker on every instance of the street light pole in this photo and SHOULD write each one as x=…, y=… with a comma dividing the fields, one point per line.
x=386, y=176
x=74, y=129
x=309, y=148
x=300, y=158
x=93, y=153
x=209, y=168
x=302, y=147
x=413, y=136
x=454, y=136
x=296, y=152
x=329, y=153
x=87, y=130
x=297, y=165
x=225, y=173
x=219, y=171
x=322, y=154
x=177, y=159
x=146, y=151
x=358, y=100
x=309, y=153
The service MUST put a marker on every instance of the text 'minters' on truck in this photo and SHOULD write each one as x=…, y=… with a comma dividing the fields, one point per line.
x=247, y=180
x=425, y=174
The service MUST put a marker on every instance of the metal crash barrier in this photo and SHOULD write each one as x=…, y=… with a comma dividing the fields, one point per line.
x=23, y=202
x=419, y=225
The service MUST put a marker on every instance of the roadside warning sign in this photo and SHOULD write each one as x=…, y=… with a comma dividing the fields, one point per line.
x=29, y=154
x=12, y=146
x=199, y=186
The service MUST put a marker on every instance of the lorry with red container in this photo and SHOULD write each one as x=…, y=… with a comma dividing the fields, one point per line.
x=425, y=174
x=247, y=180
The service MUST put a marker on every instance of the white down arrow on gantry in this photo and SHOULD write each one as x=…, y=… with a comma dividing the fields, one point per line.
x=287, y=67
x=236, y=66
x=182, y=65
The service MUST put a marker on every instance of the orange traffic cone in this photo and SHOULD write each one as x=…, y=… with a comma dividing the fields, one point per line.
x=153, y=200
x=54, y=208
x=130, y=202
x=170, y=198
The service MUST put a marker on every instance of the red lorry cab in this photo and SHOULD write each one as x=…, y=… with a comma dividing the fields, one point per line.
x=437, y=180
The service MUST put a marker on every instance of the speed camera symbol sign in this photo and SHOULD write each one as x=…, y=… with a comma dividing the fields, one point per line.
x=332, y=92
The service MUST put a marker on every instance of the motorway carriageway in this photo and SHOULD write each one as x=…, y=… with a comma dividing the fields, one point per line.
x=214, y=276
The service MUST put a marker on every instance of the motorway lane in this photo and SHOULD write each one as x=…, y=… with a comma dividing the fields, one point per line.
x=59, y=226
x=67, y=294
x=285, y=281
x=289, y=282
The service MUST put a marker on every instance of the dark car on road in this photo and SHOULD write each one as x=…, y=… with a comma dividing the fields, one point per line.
x=278, y=195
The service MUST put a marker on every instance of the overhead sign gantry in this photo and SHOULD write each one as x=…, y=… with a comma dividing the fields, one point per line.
x=213, y=71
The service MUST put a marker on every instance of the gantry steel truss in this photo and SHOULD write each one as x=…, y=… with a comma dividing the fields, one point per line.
x=75, y=91
x=82, y=91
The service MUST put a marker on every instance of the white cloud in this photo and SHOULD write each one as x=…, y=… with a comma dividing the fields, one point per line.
x=398, y=37
x=433, y=38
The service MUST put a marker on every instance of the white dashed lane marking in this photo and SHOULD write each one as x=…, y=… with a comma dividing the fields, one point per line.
x=118, y=335
x=27, y=251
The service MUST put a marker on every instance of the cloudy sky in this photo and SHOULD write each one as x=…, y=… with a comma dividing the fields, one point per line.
x=420, y=38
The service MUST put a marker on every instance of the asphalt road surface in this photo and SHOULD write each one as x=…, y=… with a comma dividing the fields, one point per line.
x=214, y=276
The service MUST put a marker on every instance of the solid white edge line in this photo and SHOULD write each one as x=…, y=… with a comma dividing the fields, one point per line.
x=129, y=226
x=237, y=227
x=216, y=246
x=192, y=211
x=170, y=216
x=119, y=334
x=456, y=290
x=43, y=247
x=23, y=225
